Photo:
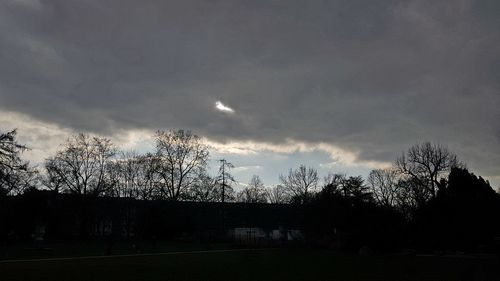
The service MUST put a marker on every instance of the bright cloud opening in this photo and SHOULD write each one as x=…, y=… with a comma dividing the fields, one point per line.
x=222, y=107
x=338, y=155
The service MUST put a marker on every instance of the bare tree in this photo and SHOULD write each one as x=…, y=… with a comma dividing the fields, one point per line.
x=124, y=174
x=277, y=195
x=82, y=165
x=205, y=189
x=147, y=177
x=425, y=164
x=182, y=158
x=15, y=174
x=300, y=183
x=133, y=175
x=255, y=192
x=408, y=196
x=384, y=186
x=51, y=179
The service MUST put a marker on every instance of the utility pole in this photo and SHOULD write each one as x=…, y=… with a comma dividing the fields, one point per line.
x=223, y=166
x=225, y=176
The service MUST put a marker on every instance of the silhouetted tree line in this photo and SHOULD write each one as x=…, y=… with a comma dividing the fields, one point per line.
x=175, y=171
x=427, y=199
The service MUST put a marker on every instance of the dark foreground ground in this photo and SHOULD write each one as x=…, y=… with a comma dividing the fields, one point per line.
x=254, y=264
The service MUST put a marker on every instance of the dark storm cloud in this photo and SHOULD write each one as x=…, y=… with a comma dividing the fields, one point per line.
x=371, y=76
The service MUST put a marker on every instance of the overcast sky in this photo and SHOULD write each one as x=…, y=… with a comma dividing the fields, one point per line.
x=343, y=86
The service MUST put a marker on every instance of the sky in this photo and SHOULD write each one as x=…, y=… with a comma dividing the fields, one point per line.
x=342, y=86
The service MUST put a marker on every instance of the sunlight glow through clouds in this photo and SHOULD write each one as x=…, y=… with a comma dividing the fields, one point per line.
x=222, y=107
x=45, y=139
x=340, y=156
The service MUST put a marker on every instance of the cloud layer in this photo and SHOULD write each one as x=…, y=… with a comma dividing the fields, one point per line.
x=366, y=77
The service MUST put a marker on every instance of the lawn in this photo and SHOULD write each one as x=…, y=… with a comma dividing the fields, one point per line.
x=256, y=264
x=99, y=248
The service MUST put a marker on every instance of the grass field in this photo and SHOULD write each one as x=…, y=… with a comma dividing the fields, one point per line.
x=100, y=247
x=255, y=264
